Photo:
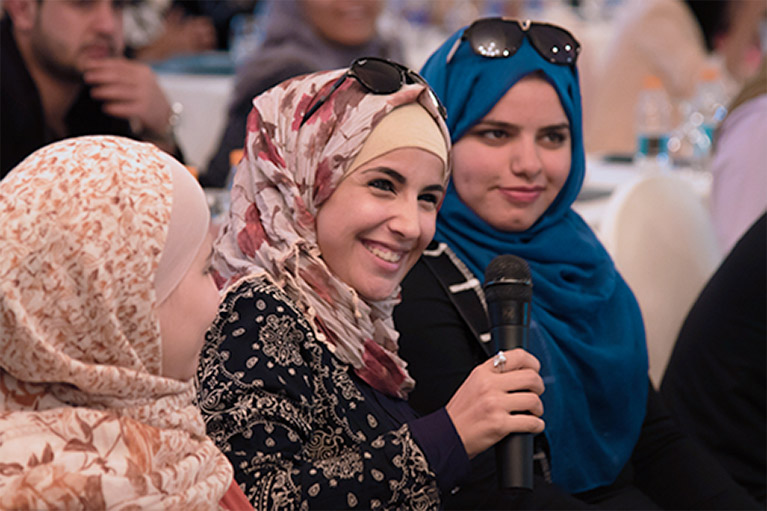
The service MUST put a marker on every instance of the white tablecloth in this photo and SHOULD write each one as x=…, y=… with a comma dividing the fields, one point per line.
x=603, y=178
x=205, y=99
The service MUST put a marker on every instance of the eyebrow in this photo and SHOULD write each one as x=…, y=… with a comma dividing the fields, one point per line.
x=501, y=124
x=400, y=179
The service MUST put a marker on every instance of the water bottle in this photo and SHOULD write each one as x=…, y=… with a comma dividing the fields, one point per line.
x=653, y=125
x=692, y=142
x=710, y=102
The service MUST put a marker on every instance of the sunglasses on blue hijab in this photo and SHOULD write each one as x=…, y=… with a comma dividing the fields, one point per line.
x=378, y=76
x=501, y=38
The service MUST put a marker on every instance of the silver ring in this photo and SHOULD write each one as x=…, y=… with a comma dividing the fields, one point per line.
x=499, y=361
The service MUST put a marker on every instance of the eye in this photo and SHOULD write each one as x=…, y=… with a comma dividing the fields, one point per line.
x=382, y=184
x=430, y=198
x=555, y=138
x=493, y=134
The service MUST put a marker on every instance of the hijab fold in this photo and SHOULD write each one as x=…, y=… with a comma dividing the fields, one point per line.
x=586, y=328
x=287, y=172
x=86, y=419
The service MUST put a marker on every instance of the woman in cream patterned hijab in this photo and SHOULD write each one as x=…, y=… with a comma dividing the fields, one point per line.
x=97, y=235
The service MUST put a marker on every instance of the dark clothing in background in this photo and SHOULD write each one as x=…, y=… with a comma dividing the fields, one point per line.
x=22, y=121
x=716, y=379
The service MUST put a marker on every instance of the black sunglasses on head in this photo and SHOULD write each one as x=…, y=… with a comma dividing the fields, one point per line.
x=500, y=38
x=378, y=76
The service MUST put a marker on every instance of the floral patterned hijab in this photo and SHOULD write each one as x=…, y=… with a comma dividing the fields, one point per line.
x=287, y=173
x=86, y=420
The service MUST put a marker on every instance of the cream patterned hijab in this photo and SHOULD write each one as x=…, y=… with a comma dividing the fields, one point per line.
x=285, y=176
x=86, y=422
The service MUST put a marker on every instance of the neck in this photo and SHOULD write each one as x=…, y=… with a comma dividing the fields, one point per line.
x=56, y=94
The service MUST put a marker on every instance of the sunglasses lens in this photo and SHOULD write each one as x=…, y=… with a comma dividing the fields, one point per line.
x=495, y=38
x=555, y=44
x=379, y=76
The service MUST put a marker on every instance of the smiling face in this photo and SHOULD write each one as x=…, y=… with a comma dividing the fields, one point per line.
x=511, y=165
x=374, y=226
x=346, y=22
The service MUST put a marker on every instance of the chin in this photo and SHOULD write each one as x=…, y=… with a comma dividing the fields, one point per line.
x=376, y=295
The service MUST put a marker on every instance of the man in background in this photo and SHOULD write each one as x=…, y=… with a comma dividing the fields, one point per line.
x=63, y=74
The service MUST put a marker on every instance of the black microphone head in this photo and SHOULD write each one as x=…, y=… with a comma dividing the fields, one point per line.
x=507, y=277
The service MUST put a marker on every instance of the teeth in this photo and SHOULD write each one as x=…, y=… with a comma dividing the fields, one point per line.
x=386, y=255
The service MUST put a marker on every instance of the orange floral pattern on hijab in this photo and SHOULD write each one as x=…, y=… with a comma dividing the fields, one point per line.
x=86, y=420
x=287, y=172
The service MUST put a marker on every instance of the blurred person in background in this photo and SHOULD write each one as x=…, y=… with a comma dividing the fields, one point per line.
x=63, y=74
x=674, y=40
x=739, y=189
x=302, y=36
x=160, y=29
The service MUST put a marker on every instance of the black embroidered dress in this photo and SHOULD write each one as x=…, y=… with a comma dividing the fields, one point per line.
x=301, y=429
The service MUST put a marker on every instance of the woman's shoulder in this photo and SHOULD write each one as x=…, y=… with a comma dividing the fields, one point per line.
x=253, y=295
x=257, y=318
x=439, y=264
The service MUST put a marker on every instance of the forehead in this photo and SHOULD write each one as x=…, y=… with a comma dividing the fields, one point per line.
x=413, y=165
x=532, y=97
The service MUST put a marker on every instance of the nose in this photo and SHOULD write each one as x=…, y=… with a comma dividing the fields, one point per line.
x=107, y=17
x=525, y=160
x=405, y=219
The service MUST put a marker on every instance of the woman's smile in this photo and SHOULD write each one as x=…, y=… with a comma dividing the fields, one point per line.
x=383, y=252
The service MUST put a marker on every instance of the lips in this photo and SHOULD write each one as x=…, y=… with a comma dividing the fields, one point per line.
x=522, y=194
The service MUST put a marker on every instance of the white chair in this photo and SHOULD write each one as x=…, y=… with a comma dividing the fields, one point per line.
x=662, y=240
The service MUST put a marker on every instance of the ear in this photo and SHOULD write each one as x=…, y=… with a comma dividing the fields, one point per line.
x=23, y=13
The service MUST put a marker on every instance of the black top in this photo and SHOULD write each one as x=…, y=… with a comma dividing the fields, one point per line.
x=301, y=429
x=22, y=122
x=715, y=381
x=444, y=335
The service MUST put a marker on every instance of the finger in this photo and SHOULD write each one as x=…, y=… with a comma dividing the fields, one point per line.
x=115, y=92
x=522, y=403
x=521, y=380
x=521, y=359
x=521, y=423
x=106, y=64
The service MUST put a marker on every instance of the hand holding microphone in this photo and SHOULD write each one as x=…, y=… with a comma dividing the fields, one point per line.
x=499, y=401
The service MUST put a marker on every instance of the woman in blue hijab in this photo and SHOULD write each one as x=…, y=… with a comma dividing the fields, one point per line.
x=514, y=111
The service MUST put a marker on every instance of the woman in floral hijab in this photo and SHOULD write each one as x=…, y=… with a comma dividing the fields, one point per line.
x=98, y=234
x=300, y=382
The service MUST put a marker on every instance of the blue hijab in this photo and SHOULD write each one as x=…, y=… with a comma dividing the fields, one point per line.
x=586, y=328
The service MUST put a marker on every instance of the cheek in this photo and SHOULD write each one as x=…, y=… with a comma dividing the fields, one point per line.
x=558, y=167
x=212, y=298
x=428, y=227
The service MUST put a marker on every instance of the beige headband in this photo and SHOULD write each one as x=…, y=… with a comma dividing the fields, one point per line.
x=407, y=126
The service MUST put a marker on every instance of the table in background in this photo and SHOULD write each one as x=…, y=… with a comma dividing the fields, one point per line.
x=604, y=178
x=202, y=84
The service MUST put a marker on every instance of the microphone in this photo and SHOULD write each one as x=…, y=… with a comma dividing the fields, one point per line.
x=508, y=290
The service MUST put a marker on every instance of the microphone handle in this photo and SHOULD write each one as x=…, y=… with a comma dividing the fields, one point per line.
x=513, y=454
